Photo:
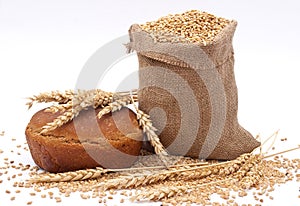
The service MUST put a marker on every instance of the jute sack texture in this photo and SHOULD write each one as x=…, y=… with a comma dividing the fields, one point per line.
x=190, y=92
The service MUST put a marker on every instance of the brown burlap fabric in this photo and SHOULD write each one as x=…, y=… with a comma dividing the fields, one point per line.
x=190, y=92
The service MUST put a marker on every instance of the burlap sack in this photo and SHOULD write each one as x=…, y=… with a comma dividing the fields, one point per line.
x=190, y=92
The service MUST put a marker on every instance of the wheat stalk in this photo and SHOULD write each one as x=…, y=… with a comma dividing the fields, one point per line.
x=71, y=103
x=101, y=98
x=183, y=171
x=95, y=173
x=289, y=150
x=247, y=171
x=80, y=101
x=159, y=193
x=221, y=169
x=244, y=170
x=134, y=181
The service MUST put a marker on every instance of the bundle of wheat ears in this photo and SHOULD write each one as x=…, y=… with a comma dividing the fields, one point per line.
x=182, y=182
x=72, y=102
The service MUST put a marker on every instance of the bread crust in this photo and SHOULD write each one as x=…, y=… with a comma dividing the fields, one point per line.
x=114, y=141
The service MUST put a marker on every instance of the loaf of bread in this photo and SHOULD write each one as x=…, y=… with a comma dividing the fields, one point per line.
x=114, y=141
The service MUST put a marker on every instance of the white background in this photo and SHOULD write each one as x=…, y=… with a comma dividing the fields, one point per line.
x=45, y=44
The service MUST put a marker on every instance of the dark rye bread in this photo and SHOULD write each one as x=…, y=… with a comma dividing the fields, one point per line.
x=114, y=141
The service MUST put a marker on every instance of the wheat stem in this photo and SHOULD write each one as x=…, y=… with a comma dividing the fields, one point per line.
x=221, y=169
x=270, y=137
x=167, y=192
x=282, y=152
x=95, y=173
x=240, y=169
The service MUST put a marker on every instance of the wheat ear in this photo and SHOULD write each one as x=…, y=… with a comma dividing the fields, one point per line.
x=53, y=96
x=254, y=175
x=95, y=173
x=159, y=193
x=102, y=98
x=243, y=170
x=221, y=169
x=81, y=100
x=149, y=130
x=69, y=176
x=115, y=106
x=133, y=181
x=71, y=103
x=84, y=99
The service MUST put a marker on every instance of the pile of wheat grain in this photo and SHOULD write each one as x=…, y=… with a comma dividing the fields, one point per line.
x=186, y=181
x=191, y=26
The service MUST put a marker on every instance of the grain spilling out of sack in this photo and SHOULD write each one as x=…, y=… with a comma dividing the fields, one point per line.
x=186, y=69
